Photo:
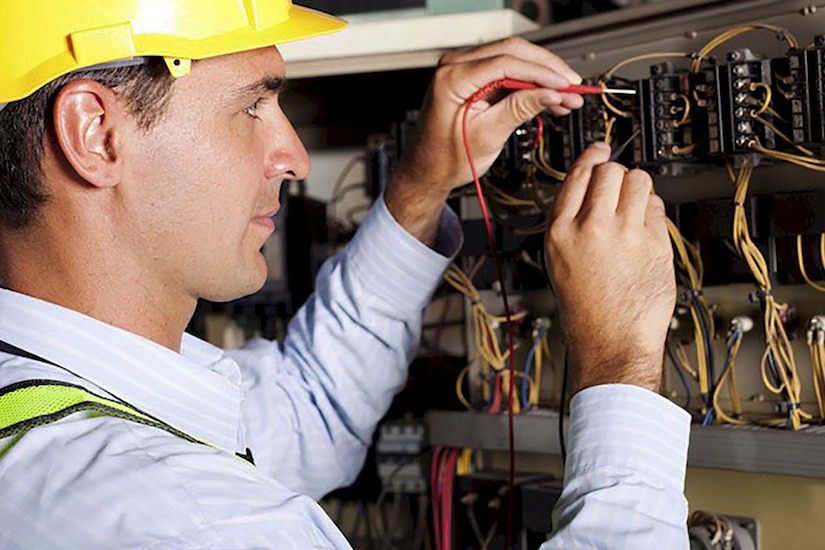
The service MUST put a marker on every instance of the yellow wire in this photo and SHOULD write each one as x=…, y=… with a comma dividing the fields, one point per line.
x=731, y=380
x=505, y=387
x=816, y=165
x=778, y=345
x=610, y=72
x=684, y=361
x=687, y=258
x=603, y=81
x=732, y=33
x=684, y=150
x=768, y=97
x=782, y=135
x=459, y=391
x=686, y=113
x=609, y=122
x=613, y=108
x=539, y=160
x=816, y=339
x=802, y=270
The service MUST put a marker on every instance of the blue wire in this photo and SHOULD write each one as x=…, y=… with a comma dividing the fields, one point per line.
x=706, y=421
x=492, y=381
x=525, y=380
x=735, y=335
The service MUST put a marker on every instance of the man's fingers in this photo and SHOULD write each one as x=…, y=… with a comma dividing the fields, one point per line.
x=602, y=198
x=635, y=196
x=570, y=197
x=514, y=46
x=656, y=220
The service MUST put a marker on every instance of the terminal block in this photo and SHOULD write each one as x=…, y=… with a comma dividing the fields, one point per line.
x=594, y=121
x=733, y=95
x=799, y=95
x=663, y=130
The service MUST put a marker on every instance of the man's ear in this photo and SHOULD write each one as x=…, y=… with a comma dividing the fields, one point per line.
x=87, y=119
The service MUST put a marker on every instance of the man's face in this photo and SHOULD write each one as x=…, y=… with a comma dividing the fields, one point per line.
x=203, y=183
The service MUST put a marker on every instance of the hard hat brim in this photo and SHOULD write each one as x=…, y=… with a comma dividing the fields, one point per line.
x=302, y=23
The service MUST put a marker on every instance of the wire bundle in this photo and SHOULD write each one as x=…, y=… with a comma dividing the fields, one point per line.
x=691, y=273
x=539, y=155
x=734, y=342
x=733, y=33
x=801, y=260
x=442, y=477
x=778, y=358
x=816, y=344
x=530, y=388
x=486, y=341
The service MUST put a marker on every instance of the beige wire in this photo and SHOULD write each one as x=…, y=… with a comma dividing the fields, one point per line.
x=686, y=113
x=732, y=33
x=802, y=270
x=730, y=379
x=768, y=97
x=778, y=344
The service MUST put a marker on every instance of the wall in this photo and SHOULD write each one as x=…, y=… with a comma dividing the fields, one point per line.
x=789, y=509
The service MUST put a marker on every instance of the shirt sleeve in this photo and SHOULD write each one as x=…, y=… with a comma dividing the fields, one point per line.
x=312, y=405
x=624, y=474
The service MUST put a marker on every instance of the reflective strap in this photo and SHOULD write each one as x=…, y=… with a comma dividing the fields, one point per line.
x=33, y=403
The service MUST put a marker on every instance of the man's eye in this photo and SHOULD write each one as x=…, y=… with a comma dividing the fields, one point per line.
x=252, y=109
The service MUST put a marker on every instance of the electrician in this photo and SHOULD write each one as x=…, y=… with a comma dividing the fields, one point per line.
x=142, y=148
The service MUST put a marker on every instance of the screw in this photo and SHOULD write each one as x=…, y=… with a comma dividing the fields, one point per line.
x=734, y=56
x=692, y=35
x=590, y=56
x=810, y=9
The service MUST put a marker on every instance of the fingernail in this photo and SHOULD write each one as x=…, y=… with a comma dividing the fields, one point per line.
x=602, y=146
x=574, y=77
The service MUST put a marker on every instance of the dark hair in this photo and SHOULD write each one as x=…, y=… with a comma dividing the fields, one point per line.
x=23, y=124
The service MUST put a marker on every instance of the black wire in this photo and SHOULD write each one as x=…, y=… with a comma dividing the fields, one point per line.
x=676, y=365
x=561, y=409
x=704, y=325
x=565, y=370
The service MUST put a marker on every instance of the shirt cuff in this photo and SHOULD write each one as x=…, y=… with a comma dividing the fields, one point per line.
x=397, y=266
x=624, y=427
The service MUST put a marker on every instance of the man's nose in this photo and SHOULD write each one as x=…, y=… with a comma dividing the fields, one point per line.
x=288, y=158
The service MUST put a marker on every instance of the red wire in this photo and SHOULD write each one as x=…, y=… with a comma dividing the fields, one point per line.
x=447, y=498
x=495, y=405
x=436, y=494
x=497, y=84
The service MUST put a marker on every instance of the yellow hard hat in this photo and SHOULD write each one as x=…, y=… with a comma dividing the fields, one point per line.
x=41, y=40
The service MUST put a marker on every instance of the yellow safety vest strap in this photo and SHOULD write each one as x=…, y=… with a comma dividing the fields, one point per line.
x=33, y=403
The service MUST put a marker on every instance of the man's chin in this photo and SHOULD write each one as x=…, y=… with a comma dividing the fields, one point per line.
x=235, y=293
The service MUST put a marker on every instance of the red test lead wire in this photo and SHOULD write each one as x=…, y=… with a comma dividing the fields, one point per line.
x=482, y=92
x=581, y=89
x=509, y=84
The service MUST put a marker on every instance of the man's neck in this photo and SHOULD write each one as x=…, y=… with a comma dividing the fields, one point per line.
x=111, y=294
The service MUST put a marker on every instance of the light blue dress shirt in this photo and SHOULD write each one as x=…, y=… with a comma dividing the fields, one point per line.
x=306, y=409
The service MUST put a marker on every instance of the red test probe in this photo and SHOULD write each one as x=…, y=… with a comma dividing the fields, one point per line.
x=581, y=89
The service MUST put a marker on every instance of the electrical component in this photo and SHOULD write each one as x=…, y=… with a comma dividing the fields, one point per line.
x=398, y=457
x=709, y=531
x=663, y=128
x=592, y=123
x=737, y=96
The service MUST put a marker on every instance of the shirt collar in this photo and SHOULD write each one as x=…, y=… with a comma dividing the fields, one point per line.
x=197, y=391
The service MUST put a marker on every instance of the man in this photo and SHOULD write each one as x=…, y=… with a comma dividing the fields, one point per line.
x=128, y=192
